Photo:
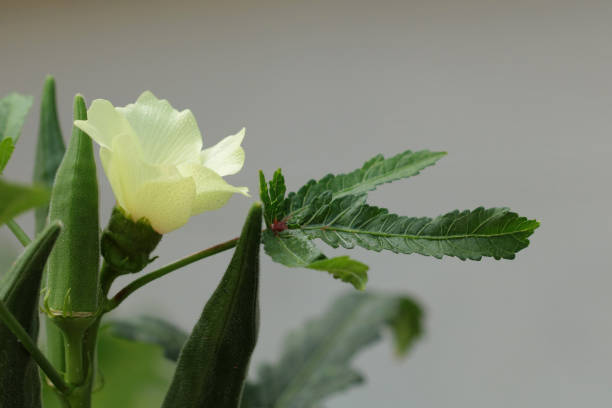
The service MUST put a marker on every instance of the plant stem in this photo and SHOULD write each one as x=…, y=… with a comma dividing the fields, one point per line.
x=13, y=324
x=107, y=277
x=80, y=397
x=74, y=357
x=138, y=283
x=55, y=344
x=19, y=232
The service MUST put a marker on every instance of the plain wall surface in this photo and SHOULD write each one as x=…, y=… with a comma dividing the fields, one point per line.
x=518, y=93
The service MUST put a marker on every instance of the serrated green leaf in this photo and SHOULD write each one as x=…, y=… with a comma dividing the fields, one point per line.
x=50, y=146
x=264, y=195
x=294, y=249
x=213, y=364
x=19, y=290
x=344, y=268
x=374, y=172
x=316, y=360
x=152, y=330
x=273, y=197
x=346, y=222
x=291, y=248
x=17, y=198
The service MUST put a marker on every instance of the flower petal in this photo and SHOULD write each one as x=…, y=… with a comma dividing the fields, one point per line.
x=226, y=157
x=114, y=176
x=166, y=135
x=166, y=203
x=212, y=192
x=103, y=123
x=127, y=171
x=125, y=168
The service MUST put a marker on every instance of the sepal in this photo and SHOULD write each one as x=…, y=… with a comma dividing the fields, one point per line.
x=127, y=244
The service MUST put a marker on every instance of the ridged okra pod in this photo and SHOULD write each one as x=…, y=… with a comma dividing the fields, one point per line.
x=50, y=150
x=50, y=147
x=72, y=292
x=19, y=290
x=213, y=364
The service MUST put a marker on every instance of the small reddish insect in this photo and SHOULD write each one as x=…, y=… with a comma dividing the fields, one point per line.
x=279, y=226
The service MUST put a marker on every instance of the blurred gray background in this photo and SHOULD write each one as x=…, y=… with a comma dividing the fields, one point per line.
x=519, y=94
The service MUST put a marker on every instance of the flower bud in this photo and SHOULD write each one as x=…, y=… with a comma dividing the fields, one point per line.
x=127, y=244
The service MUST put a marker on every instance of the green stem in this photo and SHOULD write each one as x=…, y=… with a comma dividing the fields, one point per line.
x=107, y=277
x=90, y=344
x=74, y=357
x=55, y=344
x=13, y=324
x=19, y=232
x=140, y=282
x=80, y=397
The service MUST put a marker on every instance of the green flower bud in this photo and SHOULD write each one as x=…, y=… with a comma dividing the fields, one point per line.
x=127, y=244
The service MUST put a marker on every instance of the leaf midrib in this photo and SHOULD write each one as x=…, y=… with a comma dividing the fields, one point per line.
x=323, y=227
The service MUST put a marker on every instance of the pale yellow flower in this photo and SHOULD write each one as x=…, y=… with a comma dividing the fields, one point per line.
x=152, y=155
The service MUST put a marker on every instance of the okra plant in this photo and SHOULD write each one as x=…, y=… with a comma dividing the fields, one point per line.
x=152, y=156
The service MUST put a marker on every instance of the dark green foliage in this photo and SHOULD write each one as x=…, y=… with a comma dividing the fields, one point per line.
x=50, y=147
x=213, y=364
x=494, y=232
x=316, y=360
x=294, y=249
x=72, y=274
x=13, y=111
x=273, y=198
x=291, y=248
x=374, y=172
x=153, y=330
x=19, y=290
x=334, y=209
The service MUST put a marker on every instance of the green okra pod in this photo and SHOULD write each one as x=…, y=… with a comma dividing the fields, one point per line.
x=72, y=292
x=19, y=290
x=213, y=364
x=50, y=147
x=72, y=276
x=50, y=150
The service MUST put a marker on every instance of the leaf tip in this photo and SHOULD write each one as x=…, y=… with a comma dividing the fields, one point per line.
x=80, y=108
x=49, y=83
